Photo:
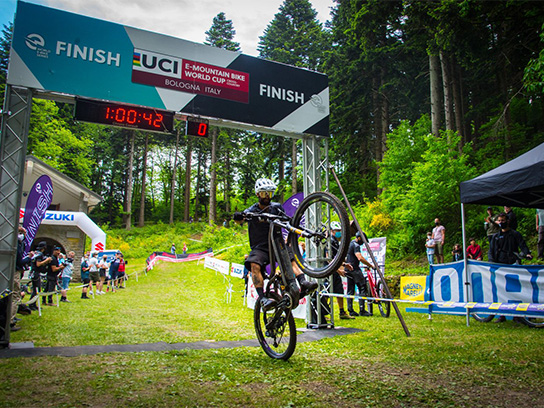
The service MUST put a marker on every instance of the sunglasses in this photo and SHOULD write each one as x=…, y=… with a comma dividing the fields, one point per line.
x=265, y=194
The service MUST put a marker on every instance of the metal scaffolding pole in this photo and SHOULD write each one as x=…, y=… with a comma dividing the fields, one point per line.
x=13, y=144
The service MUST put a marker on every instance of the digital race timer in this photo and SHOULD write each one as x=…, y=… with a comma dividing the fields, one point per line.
x=115, y=114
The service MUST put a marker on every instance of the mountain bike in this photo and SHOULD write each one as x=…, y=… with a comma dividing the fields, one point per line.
x=537, y=322
x=275, y=328
x=376, y=289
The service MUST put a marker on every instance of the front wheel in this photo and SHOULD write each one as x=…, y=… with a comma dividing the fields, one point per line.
x=537, y=322
x=385, y=307
x=318, y=214
x=275, y=329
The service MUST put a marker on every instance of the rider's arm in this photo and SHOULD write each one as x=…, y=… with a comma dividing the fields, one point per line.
x=361, y=258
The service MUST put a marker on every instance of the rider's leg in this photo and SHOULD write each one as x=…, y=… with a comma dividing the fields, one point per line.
x=257, y=278
x=305, y=287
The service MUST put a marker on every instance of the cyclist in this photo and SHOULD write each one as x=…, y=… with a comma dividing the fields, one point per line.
x=259, y=257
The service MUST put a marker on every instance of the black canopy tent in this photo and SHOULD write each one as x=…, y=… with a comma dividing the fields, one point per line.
x=517, y=183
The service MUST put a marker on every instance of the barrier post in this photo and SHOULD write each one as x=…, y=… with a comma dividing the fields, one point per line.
x=375, y=263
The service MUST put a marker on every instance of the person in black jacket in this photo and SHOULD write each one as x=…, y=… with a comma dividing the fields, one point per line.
x=507, y=243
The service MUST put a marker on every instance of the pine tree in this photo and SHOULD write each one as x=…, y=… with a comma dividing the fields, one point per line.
x=221, y=34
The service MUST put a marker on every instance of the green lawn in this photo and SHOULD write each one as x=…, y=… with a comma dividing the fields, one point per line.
x=443, y=364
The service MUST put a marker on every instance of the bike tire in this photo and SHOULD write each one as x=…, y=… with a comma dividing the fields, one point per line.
x=482, y=318
x=384, y=307
x=278, y=342
x=536, y=322
x=327, y=208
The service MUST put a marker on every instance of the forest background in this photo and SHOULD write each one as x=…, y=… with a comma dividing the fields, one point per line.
x=424, y=95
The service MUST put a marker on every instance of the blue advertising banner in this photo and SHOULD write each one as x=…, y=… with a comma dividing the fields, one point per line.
x=38, y=201
x=516, y=289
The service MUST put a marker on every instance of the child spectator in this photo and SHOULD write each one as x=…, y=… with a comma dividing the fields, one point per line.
x=457, y=253
x=429, y=245
x=474, y=251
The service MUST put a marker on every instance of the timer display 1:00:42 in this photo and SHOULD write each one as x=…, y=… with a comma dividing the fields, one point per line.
x=108, y=113
x=135, y=117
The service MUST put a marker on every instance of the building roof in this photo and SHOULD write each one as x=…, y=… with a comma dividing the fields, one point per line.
x=68, y=194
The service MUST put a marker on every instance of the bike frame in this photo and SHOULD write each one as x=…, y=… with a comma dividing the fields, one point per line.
x=280, y=254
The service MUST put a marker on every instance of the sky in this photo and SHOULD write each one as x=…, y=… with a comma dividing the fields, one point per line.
x=184, y=19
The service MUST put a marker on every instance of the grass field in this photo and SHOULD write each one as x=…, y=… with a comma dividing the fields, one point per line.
x=443, y=364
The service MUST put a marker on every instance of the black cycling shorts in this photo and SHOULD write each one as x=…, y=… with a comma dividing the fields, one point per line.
x=259, y=257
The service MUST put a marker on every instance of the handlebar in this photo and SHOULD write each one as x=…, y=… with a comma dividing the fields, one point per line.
x=283, y=221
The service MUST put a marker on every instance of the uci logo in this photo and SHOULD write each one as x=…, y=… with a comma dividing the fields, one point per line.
x=155, y=63
x=34, y=41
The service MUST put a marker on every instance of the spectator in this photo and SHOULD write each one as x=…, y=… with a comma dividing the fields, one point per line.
x=114, y=269
x=103, y=266
x=429, y=246
x=491, y=224
x=540, y=230
x=507, y=246
x=39, y=267
x=85, y=278
x=474, y=251
x=66, y=276
x=94, y=275
x=184, y=248
x=303, y=249
x=20, y=265
x=439, y=236
x=512, y=219
x=121, y=276
x=54, y=270
x=355, y=275
x=173, y=249
x=457, y=253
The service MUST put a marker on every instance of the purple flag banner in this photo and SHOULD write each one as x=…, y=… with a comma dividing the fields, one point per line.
x=38, y=201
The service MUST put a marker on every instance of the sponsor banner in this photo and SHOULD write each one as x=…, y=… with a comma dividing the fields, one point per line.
x=298, y=313
x=194, y=77
x=78, y=219
x=378, y=246
x=39, y=199
x=67, y=53
x=217, y=265
x=496, y=287
x=290, y=206
x=237, y=270
x=413, y=287
x=169, y=257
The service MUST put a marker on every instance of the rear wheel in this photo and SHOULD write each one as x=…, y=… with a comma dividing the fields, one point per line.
x=385, y=307
x=321, y=209
x=275, y=329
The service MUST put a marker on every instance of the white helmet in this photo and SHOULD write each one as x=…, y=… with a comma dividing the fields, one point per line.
x=264, y=184
x=335, y=225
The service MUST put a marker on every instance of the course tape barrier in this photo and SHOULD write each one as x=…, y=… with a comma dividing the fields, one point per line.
x=480, y=306
x=169, y=257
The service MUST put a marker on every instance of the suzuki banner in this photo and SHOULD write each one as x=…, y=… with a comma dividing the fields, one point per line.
x=58, y=51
